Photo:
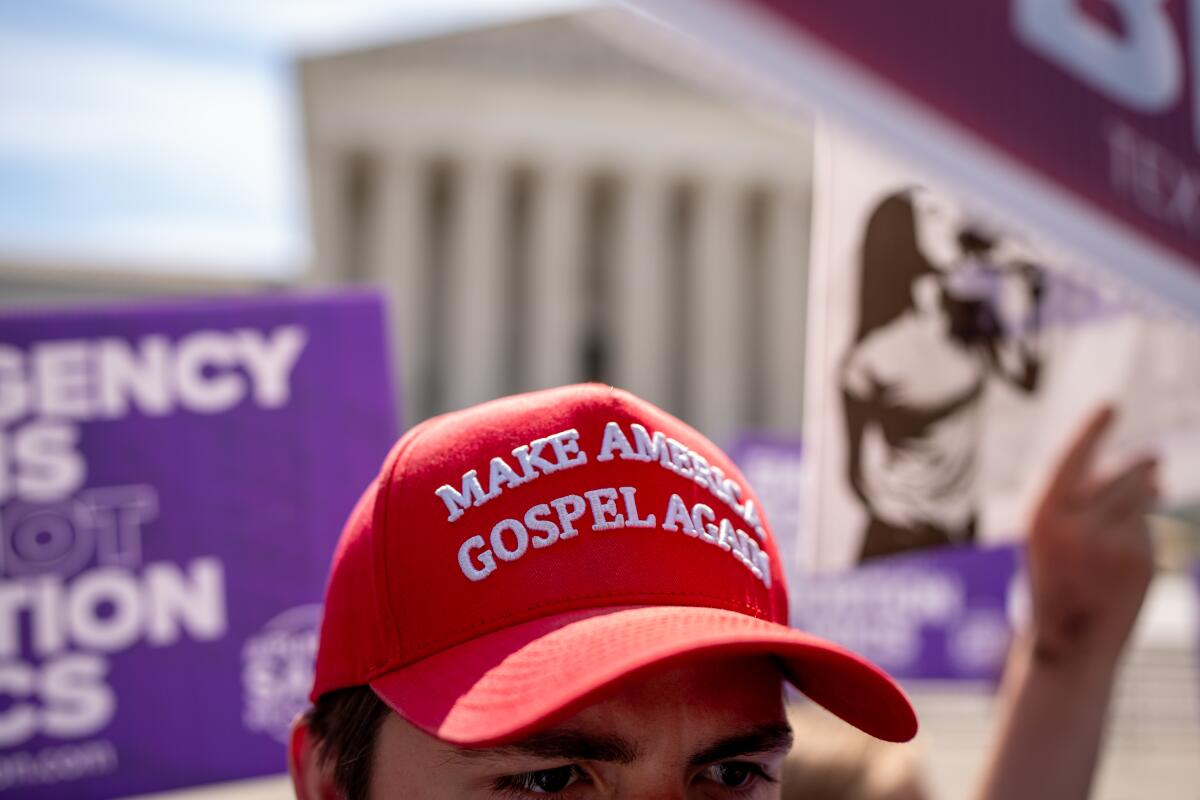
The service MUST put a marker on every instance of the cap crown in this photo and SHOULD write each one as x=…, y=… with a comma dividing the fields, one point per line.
x=567, y=499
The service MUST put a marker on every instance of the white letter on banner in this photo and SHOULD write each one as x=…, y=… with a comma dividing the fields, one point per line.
x=62, y=379
x=142, y=375
x=14, y=391
x=19, y=721
x=78, y=701
x=1143, y=68
x=90, y=627
x=270, y=361
x=171, y=603
x=199, y=384
x=49, y=467
x=14, y=598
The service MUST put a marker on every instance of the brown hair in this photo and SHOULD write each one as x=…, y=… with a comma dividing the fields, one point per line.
x=344, y=725
x=891, y=262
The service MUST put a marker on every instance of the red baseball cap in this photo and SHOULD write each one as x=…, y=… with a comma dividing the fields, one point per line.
x=517, y=560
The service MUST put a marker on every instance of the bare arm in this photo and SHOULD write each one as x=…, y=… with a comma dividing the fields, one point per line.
x=1090, y=564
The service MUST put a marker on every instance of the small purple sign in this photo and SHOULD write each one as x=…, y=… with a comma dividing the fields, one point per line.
x=173, y=479
x=937, y=614
x=774, y=466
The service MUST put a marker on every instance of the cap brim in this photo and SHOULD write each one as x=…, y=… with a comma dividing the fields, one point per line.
x=504, y=685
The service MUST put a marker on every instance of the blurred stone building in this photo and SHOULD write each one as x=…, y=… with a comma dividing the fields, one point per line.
x=543, y=206
x=39, y=282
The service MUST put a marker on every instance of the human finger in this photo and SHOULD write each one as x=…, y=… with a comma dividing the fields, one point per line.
x=1117, y=489
x=1127, y=499
x=1075, y=463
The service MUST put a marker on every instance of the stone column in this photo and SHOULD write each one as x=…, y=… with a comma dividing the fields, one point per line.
x=642, y=297
x=786, y=279
x=395, y=262
x=716, y=400
x=328, y=214
x=553, y=327
x=472, y=369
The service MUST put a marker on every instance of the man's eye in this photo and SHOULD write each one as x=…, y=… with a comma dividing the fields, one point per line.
x=734, y=774
x=542, y=781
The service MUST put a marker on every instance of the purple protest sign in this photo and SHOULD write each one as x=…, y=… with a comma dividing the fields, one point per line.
x=173, y=479
x=934, y=615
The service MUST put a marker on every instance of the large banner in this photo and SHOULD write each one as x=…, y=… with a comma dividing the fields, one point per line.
x=1079, y=116
x=173, y=480
x=952, y=357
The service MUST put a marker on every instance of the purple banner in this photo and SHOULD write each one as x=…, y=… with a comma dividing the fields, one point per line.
x=172, y=483
x=933, y=615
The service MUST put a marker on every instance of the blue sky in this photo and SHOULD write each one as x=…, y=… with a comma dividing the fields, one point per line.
x=156, y=134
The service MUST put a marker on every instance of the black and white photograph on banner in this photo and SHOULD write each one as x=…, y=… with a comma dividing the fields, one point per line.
x=929, y=339
x=950, y=355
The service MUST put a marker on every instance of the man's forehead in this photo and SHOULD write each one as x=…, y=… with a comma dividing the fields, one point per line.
x=568, y=742
x=573, y=742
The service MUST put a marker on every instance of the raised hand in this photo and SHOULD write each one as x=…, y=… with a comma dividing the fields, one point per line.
x=1089, y=551
x=1090, y=564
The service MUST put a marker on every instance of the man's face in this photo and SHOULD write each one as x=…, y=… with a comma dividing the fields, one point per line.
x=716, y=731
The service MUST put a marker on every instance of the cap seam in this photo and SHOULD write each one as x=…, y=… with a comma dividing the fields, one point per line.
x=626, y=600
x=385, y=566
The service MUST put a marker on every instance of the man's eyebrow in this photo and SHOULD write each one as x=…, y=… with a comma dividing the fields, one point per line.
x=773, y=737
x=565, y=745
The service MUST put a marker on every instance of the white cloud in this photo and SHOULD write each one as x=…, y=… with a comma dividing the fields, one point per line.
x=217, y=129
x=201, y=146
x=308, y=25
x=102, y=117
